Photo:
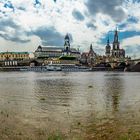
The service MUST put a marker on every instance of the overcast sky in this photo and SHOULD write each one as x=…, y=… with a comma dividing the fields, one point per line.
x=25, y=24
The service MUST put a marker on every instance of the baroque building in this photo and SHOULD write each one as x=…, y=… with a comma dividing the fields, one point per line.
x=108, y=48
x=116, y=51
x=13, y=58
x=47, y=52
x=14, y=55
x=56, y=52
x=88, y=57
x=67, y=50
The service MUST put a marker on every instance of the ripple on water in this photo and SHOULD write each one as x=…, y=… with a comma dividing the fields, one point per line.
x=70, y=100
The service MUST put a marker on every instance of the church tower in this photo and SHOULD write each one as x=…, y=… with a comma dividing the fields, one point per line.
x=108, y=48
x=67, y=44
x=91, y=52
x=116, y=45
x=91, y=49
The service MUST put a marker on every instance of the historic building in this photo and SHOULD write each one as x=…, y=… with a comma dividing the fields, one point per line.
x=13, y=58
x=88, y=57
x=68, y=50
x=56, y=52
x=116, y=51
x=108, y=49
x=47, y=52
x=14, y=55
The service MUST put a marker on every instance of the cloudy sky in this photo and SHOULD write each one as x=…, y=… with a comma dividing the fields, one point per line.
x=25, y=24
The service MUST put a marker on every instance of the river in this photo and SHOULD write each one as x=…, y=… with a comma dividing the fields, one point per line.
x=69, y=106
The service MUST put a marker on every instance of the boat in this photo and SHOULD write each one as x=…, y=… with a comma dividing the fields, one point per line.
x=67, y=67
x=58, y=67
x=53, y=68
x=34, y=68
x=74, y=68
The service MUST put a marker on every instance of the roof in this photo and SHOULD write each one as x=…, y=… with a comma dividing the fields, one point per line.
x=67, y=37
x=53, y=48
x=85, y=54
x=14, y=53
x=108, y=46
x=48, y=48
x=74, y=50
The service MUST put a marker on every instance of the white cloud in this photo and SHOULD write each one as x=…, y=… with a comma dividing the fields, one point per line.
x=132, y=46
x=131, y=41
x=59, y=16
x=14, y=46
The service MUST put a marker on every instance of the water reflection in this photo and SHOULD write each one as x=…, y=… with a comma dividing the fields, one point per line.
x=83, y=104
x=114, y=90
x=52, y=93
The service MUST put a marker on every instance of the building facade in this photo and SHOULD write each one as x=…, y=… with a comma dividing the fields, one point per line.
x=88, y=57
x=116, y=51
x=56, y=52
x=14, y=55
x=47, y=52
x=9, y=59
x=68, y=50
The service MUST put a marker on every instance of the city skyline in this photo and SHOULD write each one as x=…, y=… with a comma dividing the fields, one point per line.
x=25, y=24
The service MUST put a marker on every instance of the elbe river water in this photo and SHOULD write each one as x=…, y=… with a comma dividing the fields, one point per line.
x=74, y=106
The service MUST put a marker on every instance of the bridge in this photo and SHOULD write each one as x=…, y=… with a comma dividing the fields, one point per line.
x=136, y=61
x=123, y=62
x=134, y=65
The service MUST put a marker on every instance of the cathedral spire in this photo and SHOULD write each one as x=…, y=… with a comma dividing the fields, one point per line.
x=116, y=39
x=108, y=42
x=91, y=48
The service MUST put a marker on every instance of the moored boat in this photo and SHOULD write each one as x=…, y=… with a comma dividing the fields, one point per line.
x=58, y=67
x=53, y=68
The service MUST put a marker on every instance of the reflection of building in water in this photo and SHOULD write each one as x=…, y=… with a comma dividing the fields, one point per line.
x=56, y=95
x=113, y=91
